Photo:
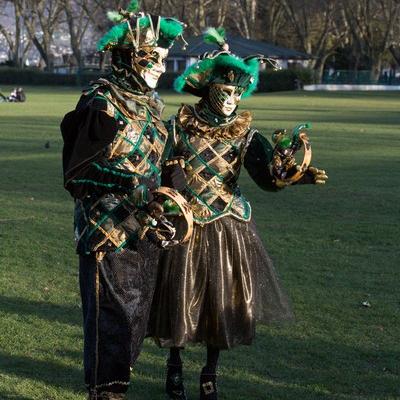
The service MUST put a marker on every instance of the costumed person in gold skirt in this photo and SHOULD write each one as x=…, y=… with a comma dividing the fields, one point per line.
x=214, y=288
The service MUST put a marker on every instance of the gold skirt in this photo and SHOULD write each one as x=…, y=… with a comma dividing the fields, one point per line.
x=212, y=289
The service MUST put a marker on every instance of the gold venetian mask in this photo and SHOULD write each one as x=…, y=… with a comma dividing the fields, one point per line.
x=149, y=63
x=224, y=99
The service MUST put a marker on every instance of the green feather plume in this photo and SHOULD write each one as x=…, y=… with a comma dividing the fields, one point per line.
x=115, y=35
x=253, y=65
x=204, y=68
x=202, y=73
x=114, y=16
x=215, y=36
x=133, y=6
x=144, y=22
x=170, y=28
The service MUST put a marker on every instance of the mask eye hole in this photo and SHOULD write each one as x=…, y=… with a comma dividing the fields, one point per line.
x=228, y=92
x=141, y=53
x=239, y=91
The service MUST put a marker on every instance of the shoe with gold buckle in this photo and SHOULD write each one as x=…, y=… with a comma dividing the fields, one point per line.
x=208, y=386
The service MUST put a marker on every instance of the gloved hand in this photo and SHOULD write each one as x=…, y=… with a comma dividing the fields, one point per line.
x=155, y=209
x=155, y=227
x=281, y=167
x=313, y=176
x=173, y=173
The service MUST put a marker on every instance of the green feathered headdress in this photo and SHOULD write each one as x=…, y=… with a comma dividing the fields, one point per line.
x=136, y=30
x=219, y=67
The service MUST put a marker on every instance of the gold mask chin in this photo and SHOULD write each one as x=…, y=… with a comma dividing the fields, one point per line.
x=224, y=99
x=149, y=63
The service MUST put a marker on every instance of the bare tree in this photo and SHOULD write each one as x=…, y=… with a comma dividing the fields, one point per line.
x=78, y=22
x=221, y=9
x=244, y=13
x=41, y=19
x=318, y=27
x=395, y=52
x=15, y=40
x=272, y=20
x=372, y=24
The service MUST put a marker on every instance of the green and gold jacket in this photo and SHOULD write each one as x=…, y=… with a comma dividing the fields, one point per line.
x=214, y=156
x=114, y=143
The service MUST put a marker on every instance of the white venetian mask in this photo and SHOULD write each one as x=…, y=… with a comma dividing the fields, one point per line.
x=149, y=62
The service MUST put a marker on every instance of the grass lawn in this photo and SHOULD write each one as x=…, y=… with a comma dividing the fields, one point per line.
x=335, y=247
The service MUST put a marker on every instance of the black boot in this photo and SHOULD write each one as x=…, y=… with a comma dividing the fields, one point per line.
x=208, y=386
x=174, y=383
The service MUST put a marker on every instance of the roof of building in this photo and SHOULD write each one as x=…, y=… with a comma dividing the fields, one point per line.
x=238, y=45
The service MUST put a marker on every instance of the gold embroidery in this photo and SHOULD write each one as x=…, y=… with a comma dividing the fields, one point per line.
x=213, y=163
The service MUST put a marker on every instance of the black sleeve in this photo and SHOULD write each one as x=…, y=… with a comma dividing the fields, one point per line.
x=256, y=161
x=87, y=131
x=174, y=175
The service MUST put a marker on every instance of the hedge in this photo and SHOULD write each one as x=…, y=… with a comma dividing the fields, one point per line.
x=30, y=76
x=270, y=81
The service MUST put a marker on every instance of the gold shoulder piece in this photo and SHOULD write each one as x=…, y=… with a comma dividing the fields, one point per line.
x=186, y=117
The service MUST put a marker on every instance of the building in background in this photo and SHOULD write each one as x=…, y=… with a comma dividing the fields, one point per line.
x=179, y=59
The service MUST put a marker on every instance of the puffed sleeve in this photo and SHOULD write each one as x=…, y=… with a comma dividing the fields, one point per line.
x=87, y=131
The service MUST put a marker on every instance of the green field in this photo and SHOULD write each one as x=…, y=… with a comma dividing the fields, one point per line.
x=335, y=247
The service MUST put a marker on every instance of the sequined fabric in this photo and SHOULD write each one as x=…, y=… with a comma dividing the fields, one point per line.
x=214, y=288
x=116, y=298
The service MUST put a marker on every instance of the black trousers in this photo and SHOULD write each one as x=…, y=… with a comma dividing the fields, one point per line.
x=116, y=292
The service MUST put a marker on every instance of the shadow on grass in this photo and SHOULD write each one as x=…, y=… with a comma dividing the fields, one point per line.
x=49, y=372
x=275, y=367
x=67, y=314
x=279, y=367
x=10, y=396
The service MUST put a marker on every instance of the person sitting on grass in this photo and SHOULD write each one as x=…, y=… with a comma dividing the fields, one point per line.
x=17, y=95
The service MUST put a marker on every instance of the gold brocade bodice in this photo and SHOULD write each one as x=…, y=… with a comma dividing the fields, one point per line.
x=107, y=222
x=140, y=141
x=213, y=156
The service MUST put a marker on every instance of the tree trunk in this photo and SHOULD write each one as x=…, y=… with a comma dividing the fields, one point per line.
x=376, y=67
x=201, y=15
x=395, y=54
x=15, y=47
x=46, y=56
x=74, y=34
x=320, y=66
x=252, y=14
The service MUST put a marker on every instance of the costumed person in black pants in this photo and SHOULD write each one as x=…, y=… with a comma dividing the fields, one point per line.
x=214, y=288
x=114, y=142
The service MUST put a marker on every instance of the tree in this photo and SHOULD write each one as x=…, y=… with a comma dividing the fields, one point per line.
x=272, y=20
x=318, y=27
x=78, y=22
x=15, y=40
x=41, y=19
x=372, y=24
x=244, y=13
